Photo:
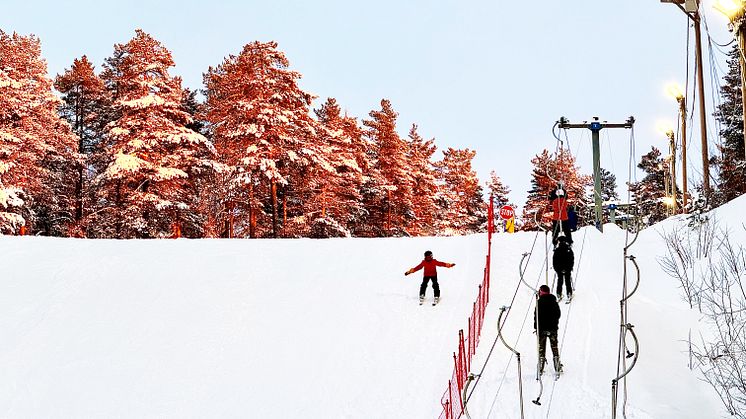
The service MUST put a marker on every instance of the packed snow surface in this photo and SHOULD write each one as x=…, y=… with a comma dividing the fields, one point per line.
x=329, y=328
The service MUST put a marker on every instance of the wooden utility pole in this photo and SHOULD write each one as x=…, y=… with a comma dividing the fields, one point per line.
x=596, y=126
x=742, y=62
x=691, y=10
x=672, y=149
x=682, y=111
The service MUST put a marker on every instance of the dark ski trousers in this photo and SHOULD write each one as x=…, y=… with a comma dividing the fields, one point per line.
x=567, y=279
x=564, y=226
x=423, y=286
x=552, y=335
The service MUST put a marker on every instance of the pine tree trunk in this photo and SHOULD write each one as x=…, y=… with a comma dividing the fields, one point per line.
x=229, y=208
x=388, y=215
x=323, y=202
x=79, y=196
x=119, y=221
x=273, y=188
x=81, y=150
x=252, y=215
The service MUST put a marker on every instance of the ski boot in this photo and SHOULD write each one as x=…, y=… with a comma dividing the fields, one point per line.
x=436, y=300
x=422, y=299
x=557, y=366
x=542, y=363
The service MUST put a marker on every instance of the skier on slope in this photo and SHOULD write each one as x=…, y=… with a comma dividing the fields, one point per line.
x=563, y=261
x=548, y=314
x=560, y=219
x=430, y=273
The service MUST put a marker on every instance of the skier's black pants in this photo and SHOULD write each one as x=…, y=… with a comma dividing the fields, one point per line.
x=563, y=225
x=423, y=286
x=567, y=279
x=543, y=335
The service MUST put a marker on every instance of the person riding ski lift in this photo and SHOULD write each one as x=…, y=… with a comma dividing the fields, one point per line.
x=548, y=314
x=560, y=219
x=563, y=262
x=429, y=274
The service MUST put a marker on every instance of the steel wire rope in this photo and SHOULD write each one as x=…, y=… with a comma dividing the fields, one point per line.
x=715, y=86
x=515, y=294
x=577, y=276
x=559, y=145
x=520, y=333
x=569, y=311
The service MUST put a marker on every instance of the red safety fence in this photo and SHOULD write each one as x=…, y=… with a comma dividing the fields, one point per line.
x=467, y=346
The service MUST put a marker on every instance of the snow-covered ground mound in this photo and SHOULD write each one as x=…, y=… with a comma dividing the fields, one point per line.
x=327, y=329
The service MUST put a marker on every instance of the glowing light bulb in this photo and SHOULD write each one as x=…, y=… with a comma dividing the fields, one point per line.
x=730, y=8
x=674, y=90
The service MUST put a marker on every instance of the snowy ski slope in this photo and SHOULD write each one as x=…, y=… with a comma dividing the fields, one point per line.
x=325, y=329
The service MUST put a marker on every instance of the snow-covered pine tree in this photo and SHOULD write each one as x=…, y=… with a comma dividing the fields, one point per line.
x=499, y=193
x=152, y=159
x=372, y=181
x=648, y=193
x=193, y=107
x=731, y=162
x=608, y=193
x=37, y=148
x=460, y=198
x=263, y=131
x=86, y=105
x=335, y=201
x=424, y=187
x=395, y=210
x=498, y=190
x=547, y=173
x=608, y=186
x=536, y=208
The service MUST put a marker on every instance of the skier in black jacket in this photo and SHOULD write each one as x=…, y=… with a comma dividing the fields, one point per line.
x=563, y=262
x=548, y=314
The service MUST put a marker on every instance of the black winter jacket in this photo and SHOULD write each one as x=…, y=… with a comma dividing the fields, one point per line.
x=549, y=313
x=564, y=258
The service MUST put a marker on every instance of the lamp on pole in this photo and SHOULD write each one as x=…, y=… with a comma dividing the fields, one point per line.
x=669, y=167
x=691, y=9
x=675, y=91
x=735, y=10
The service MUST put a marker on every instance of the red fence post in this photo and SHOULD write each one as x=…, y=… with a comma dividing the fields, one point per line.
x=449, y=405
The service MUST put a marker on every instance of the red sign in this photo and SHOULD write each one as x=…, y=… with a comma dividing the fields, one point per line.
x=507, y=212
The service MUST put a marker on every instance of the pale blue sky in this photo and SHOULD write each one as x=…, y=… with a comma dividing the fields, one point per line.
x=488, y=75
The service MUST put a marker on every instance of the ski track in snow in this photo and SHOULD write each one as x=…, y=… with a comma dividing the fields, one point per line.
x=327, y=329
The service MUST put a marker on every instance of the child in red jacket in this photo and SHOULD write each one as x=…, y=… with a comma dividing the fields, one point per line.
x=430, y=273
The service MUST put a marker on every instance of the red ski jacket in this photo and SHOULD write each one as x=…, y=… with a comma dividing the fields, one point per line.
x=559, y=208
x=429, y=265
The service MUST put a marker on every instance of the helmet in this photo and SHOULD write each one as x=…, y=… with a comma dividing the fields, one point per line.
x=428, y=253
x=560, y=192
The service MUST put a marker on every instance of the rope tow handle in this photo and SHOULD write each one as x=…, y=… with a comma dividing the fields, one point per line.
x=637, y=285
x=469, y=379
x=615, y=382
x=517, y=354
